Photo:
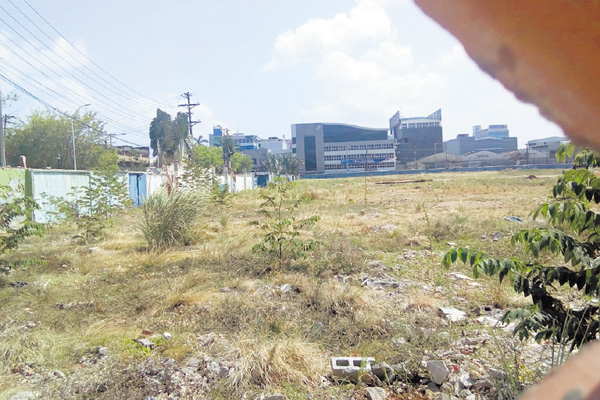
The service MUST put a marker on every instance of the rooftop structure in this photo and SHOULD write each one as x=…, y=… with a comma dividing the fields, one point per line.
x=416, y=137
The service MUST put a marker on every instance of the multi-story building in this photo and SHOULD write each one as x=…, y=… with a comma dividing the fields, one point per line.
x=416, y=137
x=214, y=139
x=327, y=147
x=275, y=145
x=464, y=144
x=493, y=131
x=246, y=142
x=495, y=139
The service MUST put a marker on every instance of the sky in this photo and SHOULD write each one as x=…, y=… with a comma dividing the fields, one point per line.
x=255, y=67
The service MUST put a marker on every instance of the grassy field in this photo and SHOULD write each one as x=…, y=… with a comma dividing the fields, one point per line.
x=70, y=313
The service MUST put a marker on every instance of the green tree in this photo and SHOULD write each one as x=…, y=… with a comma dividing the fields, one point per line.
x=291, y=164
x=207, y=157
x=272, y=163
x=241, y=163
x=565, y=253
x=228, y=148
x=168, y=136
x=45, y=139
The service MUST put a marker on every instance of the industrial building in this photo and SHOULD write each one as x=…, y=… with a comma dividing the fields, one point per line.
x=328, y=147
x=416, y=137
x=547, y=146
x=495, y=139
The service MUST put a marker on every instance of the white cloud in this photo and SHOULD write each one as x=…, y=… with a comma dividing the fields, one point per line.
x=362, y=69
x=366, y=21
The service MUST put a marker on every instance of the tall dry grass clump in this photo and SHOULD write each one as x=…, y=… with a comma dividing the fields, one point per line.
x=266, y=364
x=169, y=218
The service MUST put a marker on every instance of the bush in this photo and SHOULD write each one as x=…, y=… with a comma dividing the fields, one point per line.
x=169, y=218
x=565, y=254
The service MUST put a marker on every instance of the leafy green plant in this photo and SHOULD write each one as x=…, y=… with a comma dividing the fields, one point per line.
x=92, y=206
x=572, y=241
x=283, y=230
x=169, y=218
x=16, y=221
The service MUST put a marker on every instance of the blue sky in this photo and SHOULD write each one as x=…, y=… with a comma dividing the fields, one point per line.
x=256, y=67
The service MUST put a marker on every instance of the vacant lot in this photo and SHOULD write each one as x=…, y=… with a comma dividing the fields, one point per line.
x=71, y=314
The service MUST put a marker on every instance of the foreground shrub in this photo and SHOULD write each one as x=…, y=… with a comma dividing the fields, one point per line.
x=169, y=218
x=282, y=228
x=573, y=238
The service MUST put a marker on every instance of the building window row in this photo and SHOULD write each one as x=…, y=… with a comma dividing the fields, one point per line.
x=335, y=157
x=420, y=125
x=360, y=147
x=329, y=167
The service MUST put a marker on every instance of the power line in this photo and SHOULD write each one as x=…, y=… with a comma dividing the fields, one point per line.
x=59, y=66
x=85, y=56
x=57, y=43
x=48, y=105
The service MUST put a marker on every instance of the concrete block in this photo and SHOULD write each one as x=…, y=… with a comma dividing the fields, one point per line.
x=351, y=368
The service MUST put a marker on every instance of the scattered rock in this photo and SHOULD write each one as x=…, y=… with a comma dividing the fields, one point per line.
x=375, y=264
x=275, y=397
x=384, y=228
x=167, y=336
x=22, y=369
x=30, y=325
x=286, y=287
x=398, y=342
x=23, y=396
x=194, y=363
x=497, y=236
x=438, y=370
x=444, y=396
x=58, y=374
x=18, y=285
x=466, y=381
x=208, y=339
x=101, y=351
x=460, y=277
x=379, y=284
x=489, y=321
x=146, y=343
x=376, y=393
x=531, y=177
x=223, y=372
x=452, y=314
x=73, y=305
x=384, y=372
x=94, y=249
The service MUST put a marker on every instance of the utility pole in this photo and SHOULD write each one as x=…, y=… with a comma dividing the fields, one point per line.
x=189, y=107
x=2, y=147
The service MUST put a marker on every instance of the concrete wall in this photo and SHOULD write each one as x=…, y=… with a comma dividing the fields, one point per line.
x=154, y=182
x=56, y=183
x=238, y=182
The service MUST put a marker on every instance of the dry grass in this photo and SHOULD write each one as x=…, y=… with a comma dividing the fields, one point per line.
x=218, y=285
x=266, y=364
